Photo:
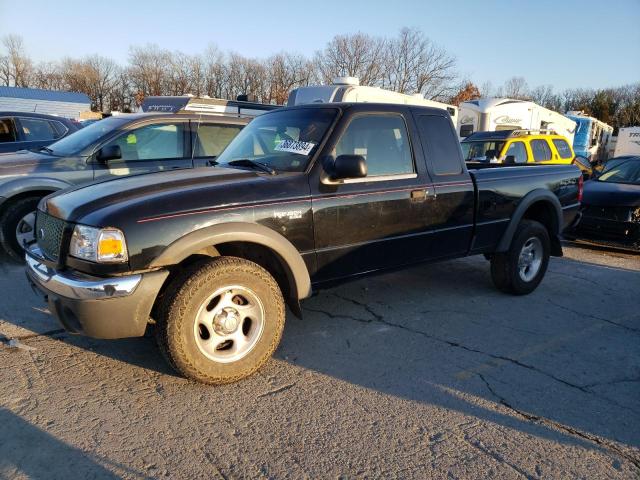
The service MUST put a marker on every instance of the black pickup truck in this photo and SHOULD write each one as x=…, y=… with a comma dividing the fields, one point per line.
x=302, y=197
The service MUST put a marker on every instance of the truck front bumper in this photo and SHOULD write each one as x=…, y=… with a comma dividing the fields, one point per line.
x=112, y=307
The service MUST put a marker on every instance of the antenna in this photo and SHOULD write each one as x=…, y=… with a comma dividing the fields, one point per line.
x=193, y=143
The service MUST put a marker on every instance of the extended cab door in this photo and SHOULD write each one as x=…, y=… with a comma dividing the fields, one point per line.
x=377, y=221
x=451, y=213
x=154, y=146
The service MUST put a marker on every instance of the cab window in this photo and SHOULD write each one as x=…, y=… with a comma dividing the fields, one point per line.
x=563, y=147
x=383, y=142
x=152, y=142
x=518, y=151
x=541, y=150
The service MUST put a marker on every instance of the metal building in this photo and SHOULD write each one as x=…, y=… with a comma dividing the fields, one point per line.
x=63, y=104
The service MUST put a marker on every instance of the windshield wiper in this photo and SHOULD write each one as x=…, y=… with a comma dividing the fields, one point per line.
x=245, y=162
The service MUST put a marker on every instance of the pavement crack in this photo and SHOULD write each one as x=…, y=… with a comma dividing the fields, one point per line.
x=595, y=317
x=275, y=391
x=612, y=382
x=49, y=333
x=559, y=426
x=363, y=305
x=499, y=458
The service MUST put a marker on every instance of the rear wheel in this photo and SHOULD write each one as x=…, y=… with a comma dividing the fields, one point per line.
x=18, y=225
x=221, y=320
x=520, y=270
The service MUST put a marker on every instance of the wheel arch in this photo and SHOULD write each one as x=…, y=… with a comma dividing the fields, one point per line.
x=542, y=206
x=253, y=242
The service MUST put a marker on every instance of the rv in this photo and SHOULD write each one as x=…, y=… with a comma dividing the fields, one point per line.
x=348, y=89
x=628, y=142
x=491, y=114
x=211, y=106
x=592, y=136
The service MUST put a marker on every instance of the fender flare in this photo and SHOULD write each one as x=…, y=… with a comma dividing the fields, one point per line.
x=21, y=185
x=538, y=195
x=294, y=266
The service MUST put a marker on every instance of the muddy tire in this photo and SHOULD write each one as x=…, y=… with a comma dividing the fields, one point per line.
x=520, y=270
x=220, y=320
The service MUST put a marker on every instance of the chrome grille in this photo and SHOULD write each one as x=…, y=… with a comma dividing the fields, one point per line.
x=49, y=233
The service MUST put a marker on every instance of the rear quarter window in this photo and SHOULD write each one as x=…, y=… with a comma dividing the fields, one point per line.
x=563, y=148
x=442, y=147
x=541, y=150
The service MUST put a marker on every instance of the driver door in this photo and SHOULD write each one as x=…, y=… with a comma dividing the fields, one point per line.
x=151, y=147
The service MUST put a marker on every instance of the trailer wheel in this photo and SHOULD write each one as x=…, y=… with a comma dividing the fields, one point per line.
x=520, y=270
x=221, y=320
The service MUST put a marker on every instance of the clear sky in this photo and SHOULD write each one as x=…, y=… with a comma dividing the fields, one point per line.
x=565, y=43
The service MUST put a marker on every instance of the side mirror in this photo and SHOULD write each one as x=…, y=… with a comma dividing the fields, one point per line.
x=110, y=152
x=510, y=159
x=348, y=166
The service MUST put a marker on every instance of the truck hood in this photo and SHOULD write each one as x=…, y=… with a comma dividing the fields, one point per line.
x=605, y=194
x=136, y=191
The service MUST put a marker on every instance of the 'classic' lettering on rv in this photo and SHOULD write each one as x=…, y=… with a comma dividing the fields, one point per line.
x=506, y=119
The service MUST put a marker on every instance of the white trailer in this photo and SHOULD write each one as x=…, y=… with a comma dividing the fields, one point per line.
x=490, y=114
x=592, y=136
x=628, y=142
x=348, y=89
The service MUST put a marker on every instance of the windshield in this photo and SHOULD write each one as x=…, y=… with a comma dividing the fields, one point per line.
x=481, y=151
x=76, y=142
x=283, y=140
x=625, y=172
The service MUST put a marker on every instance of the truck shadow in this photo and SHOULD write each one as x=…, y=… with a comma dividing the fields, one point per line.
x=26, y=450
x=441, y=335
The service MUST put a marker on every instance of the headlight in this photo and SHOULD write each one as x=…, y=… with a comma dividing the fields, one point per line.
x=102, y=245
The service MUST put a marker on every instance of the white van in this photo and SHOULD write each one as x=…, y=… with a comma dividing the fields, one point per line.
x=348, y=89
x=491, y=114
x=628, y=142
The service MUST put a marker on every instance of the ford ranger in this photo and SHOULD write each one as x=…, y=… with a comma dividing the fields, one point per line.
x=302, y=198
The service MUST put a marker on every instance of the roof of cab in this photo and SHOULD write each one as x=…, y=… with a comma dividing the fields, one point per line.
x=506, y=134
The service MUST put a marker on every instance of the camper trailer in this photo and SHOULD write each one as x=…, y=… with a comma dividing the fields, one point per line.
x=491, y=114
x=628, y=142
x=211, y=106
x=348, y=89
x=592, y=136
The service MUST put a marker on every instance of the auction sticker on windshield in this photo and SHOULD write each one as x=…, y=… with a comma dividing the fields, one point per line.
x=293, y=146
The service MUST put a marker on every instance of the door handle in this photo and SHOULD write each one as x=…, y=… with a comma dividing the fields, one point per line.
x=421, y=195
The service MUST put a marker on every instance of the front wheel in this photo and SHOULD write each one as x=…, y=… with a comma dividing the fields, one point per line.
x=221, y=320
x=520, y=270
x=17, y=227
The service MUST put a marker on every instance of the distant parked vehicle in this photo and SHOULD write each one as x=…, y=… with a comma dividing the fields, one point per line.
x=517, y=146
x=25, y=131
x=113, y=147
x=628, y=142
x=211, y=106
x=490, y=114
x=349, y=90
x=591, y=138
x=611, y=205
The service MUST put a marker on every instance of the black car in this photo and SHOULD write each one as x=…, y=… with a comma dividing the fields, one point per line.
x=113, y=147
x=611, y=205
x=25, y=131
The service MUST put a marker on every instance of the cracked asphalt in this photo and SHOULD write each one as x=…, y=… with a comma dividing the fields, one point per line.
x=424, y=373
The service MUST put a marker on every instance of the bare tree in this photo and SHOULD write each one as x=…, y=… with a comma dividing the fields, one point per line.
x=516, y=88
x=414, y=64
x=15, y=65
x=214, y=72
x=285, y=72
x=148, y=66
x=357, y=55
